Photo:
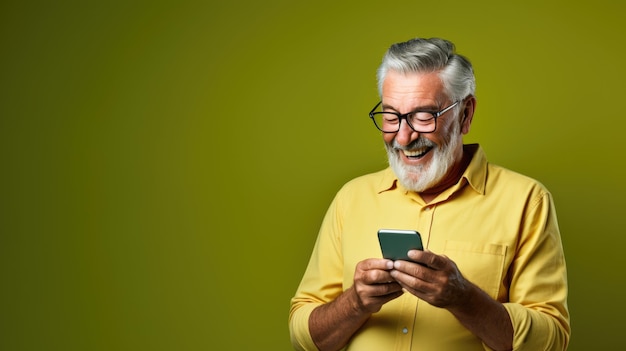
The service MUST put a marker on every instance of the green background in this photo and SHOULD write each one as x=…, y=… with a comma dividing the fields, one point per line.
x=166, y=165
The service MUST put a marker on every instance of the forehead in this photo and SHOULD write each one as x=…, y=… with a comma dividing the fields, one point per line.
x=417, y=89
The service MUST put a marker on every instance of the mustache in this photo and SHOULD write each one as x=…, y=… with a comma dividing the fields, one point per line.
x=418, y=143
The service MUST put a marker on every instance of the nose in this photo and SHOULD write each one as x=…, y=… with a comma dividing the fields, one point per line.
x=406, y=134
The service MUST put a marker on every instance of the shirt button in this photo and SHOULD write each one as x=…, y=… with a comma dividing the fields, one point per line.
x=405, y=330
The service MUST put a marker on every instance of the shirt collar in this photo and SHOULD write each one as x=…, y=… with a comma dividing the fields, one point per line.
x=475, y=174
x=476, y=171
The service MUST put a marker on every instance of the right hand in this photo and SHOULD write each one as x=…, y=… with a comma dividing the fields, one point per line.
x=373, y=285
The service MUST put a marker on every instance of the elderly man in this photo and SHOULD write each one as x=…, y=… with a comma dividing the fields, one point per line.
x=492, y=274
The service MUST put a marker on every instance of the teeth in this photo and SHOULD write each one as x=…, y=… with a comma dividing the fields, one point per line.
x=414, y=153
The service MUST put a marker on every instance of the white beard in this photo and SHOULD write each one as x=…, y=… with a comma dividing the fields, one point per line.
x=419, y=178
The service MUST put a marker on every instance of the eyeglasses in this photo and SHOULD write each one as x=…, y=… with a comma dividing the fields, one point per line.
x=419, y=121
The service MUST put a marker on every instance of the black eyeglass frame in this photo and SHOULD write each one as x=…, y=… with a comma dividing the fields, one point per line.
x=404, y=116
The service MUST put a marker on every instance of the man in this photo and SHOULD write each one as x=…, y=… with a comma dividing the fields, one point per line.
x=492, y=273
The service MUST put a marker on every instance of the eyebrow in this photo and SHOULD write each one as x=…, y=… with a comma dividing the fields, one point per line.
x=427, y=108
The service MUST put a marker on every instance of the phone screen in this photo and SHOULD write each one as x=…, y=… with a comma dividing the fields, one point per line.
x=396, y=243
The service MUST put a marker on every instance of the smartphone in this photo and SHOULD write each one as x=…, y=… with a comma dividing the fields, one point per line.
x=396, y=243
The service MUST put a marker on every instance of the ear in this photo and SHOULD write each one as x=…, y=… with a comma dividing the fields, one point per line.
x=468, y=113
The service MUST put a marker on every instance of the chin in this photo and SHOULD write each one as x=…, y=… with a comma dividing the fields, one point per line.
x=419, y=178
x=417, y=181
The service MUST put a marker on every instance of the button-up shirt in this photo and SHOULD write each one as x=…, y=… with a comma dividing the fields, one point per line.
x=499, y=227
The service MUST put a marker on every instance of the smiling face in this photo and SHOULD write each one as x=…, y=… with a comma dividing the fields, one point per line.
x=422, y=161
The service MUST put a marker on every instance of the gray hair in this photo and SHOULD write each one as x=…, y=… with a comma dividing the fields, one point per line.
x=430, y=55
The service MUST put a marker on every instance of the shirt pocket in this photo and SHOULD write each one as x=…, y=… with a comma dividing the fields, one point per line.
x=480, y=263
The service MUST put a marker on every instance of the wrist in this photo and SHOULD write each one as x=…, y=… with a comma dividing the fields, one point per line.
x=470, y=301
x=356, y=305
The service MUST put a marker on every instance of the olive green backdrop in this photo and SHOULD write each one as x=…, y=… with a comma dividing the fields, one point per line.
x=165, y=165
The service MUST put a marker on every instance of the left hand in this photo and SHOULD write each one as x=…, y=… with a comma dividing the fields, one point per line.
x=433, y=278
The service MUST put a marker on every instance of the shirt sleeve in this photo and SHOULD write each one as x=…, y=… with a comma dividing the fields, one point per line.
x=322, y=281
x=538, y=281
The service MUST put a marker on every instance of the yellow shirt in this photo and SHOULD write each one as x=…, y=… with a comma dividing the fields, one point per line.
x=499, y=227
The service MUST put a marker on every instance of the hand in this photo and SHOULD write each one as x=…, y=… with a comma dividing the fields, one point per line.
x=433, y=278
x=373, y=284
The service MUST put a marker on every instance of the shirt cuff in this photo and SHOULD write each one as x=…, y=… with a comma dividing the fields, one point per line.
x=299, y=328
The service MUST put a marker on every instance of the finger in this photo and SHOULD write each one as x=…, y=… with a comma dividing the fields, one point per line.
x=378, y=290
x=414, y=285
x=373, y=297
x=419, y=271
x=376, y=276
x=429, y=259
x=383, y=299
x=373, y=271
x=393, y=295
x=413, y=269
x=375, y=263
